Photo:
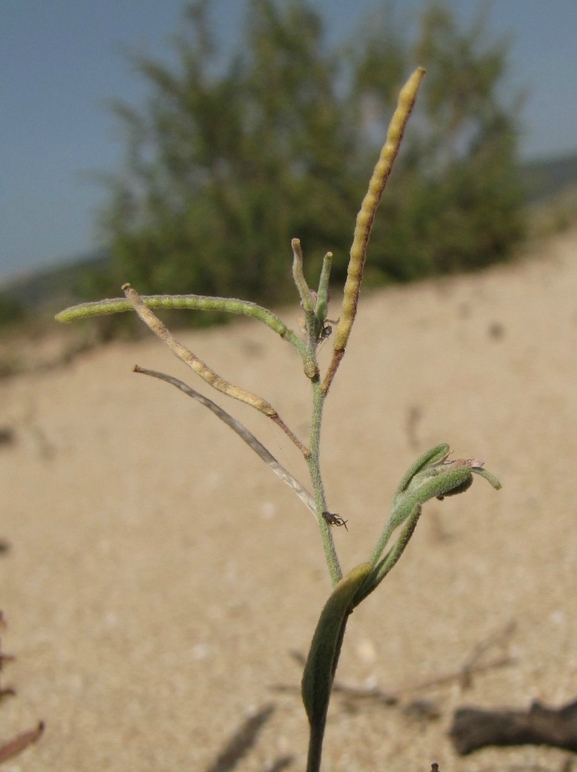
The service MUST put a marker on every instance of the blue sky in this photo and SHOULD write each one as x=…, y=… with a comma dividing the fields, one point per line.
x=61, y=60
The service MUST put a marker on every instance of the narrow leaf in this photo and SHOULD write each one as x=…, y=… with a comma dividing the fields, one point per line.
x=326, y=645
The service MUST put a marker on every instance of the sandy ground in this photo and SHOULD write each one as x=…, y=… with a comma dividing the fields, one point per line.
x=160, y=575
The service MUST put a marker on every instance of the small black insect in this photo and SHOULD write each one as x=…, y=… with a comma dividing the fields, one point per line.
x=326, y=332
x=335, y=520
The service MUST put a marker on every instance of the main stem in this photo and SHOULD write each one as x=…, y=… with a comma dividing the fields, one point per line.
x=317, y=484
x=315, y=751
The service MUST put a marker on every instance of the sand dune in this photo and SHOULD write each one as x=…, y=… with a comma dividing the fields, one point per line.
x=159, y=574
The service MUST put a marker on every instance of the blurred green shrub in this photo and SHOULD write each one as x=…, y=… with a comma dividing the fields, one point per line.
x=11, y=310
x=232, y=155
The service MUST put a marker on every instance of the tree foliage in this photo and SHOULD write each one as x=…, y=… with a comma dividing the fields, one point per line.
x=11, y=310
x=229, y=159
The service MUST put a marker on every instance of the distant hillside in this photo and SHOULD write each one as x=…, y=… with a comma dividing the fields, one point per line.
x=54, y=288
x=546, y=178
x=51, y=289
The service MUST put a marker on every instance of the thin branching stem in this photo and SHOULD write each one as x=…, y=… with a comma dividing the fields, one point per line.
x=322, y=303
x=305, y=294
x=392, y=557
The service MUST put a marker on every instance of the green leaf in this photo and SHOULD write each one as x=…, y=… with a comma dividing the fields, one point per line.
x=326, y=646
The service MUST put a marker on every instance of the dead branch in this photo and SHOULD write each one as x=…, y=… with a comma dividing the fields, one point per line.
x=474, y=728
x=20, y=742
x=464, y=675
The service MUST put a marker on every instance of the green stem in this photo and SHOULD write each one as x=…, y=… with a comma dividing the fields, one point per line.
x=379, y=571
x=323, y=290
x=317, y=484
x=382, y=543
x=315, y=752
x=392, y=557
x=303, y=288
